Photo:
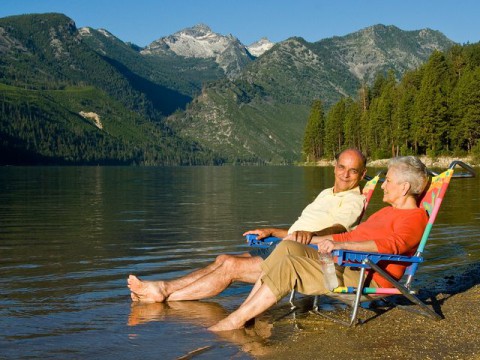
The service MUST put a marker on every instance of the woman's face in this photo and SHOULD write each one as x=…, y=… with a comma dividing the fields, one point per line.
x=393, y=187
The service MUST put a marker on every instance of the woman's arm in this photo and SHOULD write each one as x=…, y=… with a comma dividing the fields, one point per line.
x=326, y=245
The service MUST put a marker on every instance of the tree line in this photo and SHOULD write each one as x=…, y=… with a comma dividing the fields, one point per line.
x=433, y=110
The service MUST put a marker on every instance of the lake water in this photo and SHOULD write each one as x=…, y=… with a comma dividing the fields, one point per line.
x=69, y=237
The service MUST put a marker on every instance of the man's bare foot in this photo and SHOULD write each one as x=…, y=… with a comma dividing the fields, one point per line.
x=225, y=325
x=146, y=291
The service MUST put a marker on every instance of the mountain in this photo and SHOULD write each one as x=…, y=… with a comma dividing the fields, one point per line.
x=170, y=82
x=64, y=102
x=83, y=96
x=201, y=42
x=381, y=48
x=262, y=113
x=259, y=47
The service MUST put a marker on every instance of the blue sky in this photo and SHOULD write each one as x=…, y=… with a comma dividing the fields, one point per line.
x=143, y=21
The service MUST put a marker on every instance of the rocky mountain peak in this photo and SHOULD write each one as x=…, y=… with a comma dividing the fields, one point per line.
x=200, y=41
x=198, y=30
x=260, y=46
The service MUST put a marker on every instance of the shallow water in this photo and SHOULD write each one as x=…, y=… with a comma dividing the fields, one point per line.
x=69, y=237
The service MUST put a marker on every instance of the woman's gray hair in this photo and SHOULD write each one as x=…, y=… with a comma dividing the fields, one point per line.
x=411, y=170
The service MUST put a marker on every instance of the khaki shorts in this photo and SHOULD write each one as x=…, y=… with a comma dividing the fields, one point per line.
x=296, y=266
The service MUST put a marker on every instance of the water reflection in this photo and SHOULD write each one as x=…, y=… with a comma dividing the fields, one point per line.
x=251, y=340
x=70, y=236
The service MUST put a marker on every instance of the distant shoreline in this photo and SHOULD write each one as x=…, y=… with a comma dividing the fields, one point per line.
x=437, y=162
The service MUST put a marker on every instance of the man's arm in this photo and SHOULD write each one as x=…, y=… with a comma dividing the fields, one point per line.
x=264, y=233
x=334, y=229
x=305, y=237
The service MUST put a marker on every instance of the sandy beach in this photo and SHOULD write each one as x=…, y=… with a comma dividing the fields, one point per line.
x=395, y=334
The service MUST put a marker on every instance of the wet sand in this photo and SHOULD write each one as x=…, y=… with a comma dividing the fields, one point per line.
x=396, y=334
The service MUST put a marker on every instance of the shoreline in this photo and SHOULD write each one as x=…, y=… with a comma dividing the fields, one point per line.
x=437, y=162
x=395, y=334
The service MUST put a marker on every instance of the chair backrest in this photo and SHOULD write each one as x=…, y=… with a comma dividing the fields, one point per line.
x=369, y=187
x=367, y=191
x=431, y=201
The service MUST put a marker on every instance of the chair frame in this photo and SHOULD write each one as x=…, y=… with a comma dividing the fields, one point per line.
x=369, y=261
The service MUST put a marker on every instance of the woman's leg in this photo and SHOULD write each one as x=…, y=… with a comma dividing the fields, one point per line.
x=297, y=272
x=260, y=301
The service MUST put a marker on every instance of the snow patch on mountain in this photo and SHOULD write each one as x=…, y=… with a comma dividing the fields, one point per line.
x=201, y=42
x=105, y=33
x=85, y=31
x=260, y=47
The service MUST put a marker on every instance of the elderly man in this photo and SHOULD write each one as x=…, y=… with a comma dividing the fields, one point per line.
x=335, y=210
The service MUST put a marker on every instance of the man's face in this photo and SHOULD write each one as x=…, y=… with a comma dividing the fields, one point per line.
x=348, y=171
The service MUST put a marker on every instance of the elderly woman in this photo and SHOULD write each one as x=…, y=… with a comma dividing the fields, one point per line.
x=396, y=229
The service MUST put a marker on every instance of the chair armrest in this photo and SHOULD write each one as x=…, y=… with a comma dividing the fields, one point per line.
x=356, y=258
x=262, y=243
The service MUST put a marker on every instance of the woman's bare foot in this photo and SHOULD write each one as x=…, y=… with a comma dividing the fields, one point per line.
x=146, y=291
x=226, y=325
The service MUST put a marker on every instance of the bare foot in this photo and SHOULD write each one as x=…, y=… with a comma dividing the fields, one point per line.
x=225, y=325
x=146, y=291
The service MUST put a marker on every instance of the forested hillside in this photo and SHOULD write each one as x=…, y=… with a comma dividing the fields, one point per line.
x=49, y=77
x=433, y=110
x=70, y=96
x=262, y=114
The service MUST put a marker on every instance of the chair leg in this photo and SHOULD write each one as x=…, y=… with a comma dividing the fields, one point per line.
x=290, y=300
x=355, y=305
x=425, y=310
x=315, y=303
x=293, y=309
x=358, y=296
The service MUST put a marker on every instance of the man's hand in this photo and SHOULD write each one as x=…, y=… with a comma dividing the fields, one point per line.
x=261, y=233
x=303, y=237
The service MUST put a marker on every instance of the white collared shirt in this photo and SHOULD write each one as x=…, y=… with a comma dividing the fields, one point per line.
x=331, y=208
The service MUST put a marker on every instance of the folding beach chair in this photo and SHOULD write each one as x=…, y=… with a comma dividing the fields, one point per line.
x=431, y=202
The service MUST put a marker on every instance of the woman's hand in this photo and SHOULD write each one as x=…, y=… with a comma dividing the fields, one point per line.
x=325, y=245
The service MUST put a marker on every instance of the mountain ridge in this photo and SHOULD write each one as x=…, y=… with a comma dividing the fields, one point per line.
x=200, y=41
x=291, y=75
x=254, y=111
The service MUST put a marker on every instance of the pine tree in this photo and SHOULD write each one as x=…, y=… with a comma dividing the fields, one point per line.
x=352, y=124
x=466, y=110
x=314, y=133
x=431, y=106
x=334, y=136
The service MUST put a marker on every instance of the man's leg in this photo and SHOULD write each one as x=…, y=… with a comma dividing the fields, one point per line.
x=159, y=291
x=232, y=268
